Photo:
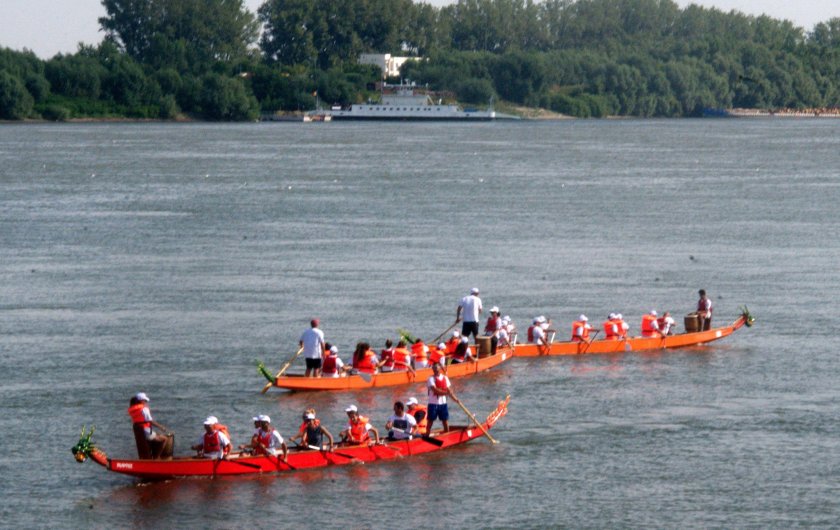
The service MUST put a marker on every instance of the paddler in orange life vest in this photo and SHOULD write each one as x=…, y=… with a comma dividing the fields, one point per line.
x=453, y=343
x=437, y=387
x=463, y=352
x=141, y=415
x=386, y=357
x=358, y=428
x=214, y=443
x=612, y=328
x=333, y=366
x=419, y=412
x=650, y=325
x=255, y=436
x=402, y=358
x=364, y=360
x=580, y=329
x=269, y=441
x=437, y=354
x=420, y=354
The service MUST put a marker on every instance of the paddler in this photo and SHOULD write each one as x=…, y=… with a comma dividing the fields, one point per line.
x=650, y=325
x=386, y=357
x=453, y=342
x=580, y=329
x=624, y=327
x=314, y=432
x=437, y=354
x=333, y=366
x=364, y=359
x=536, y=335
x=471, y=307
x=401, y=426
x=420, y=354
x=214, y=443
x=437, y=388
x=312, y=342
x=358, y=428
x=666, y=324
x=704, y=311
x=463, y=352
x=612, y=331
x=141, y=418
x=269, y=440
x=254, y=437
x=419, y=412
x=493, y=328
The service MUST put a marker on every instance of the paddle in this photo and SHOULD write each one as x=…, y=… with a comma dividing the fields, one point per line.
x=246, y=464
x=423, y=437
x=588, y=344
x=434, y=341
x=471, y=416
x=282, y=370
x=316, y=448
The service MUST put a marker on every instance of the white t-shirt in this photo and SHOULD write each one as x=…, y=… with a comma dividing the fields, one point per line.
x=312, y=340
x=147, y=416
x=435, y=399
x=539, y=335
x=275, y=444
x=668, y=324
x=470, y=308
x=406, y=422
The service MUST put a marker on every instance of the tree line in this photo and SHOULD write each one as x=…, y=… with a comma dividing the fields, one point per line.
x=215, y=60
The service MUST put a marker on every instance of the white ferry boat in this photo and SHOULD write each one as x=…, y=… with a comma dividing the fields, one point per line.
x=408, y=102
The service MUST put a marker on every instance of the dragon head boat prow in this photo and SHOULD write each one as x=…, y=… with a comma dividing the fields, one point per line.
x=748, y=318
x=85, y=448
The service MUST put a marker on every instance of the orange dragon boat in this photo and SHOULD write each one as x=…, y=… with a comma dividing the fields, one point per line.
x=244, y=464
x=680, y=340
x=363, y=380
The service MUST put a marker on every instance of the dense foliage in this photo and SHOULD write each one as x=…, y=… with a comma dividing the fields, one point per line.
x=207, y=58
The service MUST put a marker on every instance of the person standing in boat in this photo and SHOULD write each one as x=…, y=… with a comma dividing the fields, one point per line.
x=401, y=426
x=214, y=443
x=437, y=387
x=312, y=342
x=471, y=308
x=141, y=419
x=704, y=311
x=269, y=440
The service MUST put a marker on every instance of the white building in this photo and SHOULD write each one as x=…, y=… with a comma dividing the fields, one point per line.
x=386, y=62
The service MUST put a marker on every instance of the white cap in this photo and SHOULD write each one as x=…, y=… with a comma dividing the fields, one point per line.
x=536, y=320
x=583, y=318
x=542, y=318
x=411, y=401
x=506, y=318
x=211, y=420
x=333, y=349
x=352, y=408
x=456, y=333
x=141, y=396
x=442, y=346
x=256, y=418
x=653, y=312
x=465, y=338
x=612, y=316
x=310, y=416
x=265, y=418
x=474, y=290
x=494, y=309
x=619, y=316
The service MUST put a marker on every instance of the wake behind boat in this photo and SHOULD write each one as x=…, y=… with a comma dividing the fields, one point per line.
x=242, y=464
x=634, y=343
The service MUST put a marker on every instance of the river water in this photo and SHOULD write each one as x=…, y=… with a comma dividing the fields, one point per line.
x=166, y=258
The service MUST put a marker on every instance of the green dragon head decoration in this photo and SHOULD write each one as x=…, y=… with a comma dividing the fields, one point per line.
x=262, y=369
x=84, y=446
x=748, y=318
x=407, y=336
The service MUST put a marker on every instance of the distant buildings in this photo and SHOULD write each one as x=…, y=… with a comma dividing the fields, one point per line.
x=386, y=62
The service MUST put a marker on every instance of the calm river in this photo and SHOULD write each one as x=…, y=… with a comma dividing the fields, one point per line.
x=168, y=257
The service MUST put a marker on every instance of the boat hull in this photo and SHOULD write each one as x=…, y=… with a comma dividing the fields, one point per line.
x=629, y=344
x=297, y=460
x=356, y=382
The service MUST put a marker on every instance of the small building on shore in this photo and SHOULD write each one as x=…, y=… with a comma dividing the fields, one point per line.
x=389, y=64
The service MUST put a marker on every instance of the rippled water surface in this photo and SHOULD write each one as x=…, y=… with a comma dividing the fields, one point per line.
x=166, y=258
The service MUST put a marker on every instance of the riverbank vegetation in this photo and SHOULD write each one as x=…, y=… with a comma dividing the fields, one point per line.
x=214, y=60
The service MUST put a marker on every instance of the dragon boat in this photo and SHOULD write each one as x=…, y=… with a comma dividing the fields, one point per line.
x=679, y=340
x=246, y=464
x=362, y=380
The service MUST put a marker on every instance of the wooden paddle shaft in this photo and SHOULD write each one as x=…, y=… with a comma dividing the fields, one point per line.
x=471, y=416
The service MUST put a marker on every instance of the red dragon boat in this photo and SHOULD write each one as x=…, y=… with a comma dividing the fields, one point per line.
x=242, y=464
x=363, y=381
x=680, y=340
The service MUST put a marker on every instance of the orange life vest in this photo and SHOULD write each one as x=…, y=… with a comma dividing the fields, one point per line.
x=584, y=336
x=136, y=413
x=422, y=422
x=418, y=349
x=611, y=330
x=402, y=357
x=330, y=365
x=435, y=355
x=622, y=328
x=366, y=364
x=648, y=326
x=358, y=431
x=451, y=344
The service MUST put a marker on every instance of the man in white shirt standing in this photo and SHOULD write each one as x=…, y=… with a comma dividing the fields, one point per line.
x=312, y=342
x=471, y=307
x=437, y=386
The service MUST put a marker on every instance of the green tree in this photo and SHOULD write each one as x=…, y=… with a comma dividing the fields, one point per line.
x=15, y=102
x=225, y=99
